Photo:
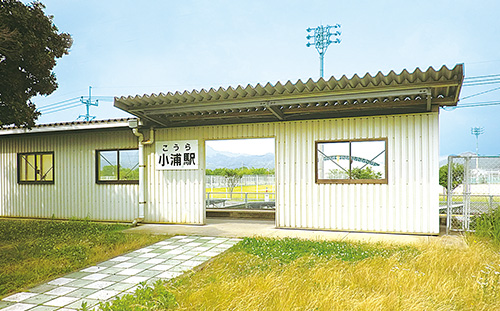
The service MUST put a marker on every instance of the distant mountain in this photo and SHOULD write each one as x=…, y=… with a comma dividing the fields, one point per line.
x=219, y=159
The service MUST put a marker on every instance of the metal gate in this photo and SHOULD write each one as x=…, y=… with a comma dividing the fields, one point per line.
x=473, y=188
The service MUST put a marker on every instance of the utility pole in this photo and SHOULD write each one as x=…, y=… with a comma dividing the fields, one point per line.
x=321, y=41
x=477, y=131
x=88, y=103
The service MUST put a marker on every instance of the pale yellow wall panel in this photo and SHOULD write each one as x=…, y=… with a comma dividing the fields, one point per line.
x=408, y=203
x=75, y=193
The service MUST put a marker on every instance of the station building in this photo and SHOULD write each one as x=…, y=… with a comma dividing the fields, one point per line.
x=351, y=154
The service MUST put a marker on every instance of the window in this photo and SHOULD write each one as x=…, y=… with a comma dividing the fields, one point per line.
x=118, y=166
x=351, y=161
x=35, y=168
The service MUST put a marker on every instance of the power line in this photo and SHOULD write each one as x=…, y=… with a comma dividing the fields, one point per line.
x=481, y=93
x=479, y=104
x=62, y=109
x=482, y=77
x=61, y=102
x=43, y=109
x=73, y=103
x=481, y=83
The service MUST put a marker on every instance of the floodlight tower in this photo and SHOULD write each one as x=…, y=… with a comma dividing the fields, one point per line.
x=88, y=103
x=321, y=40
x=477, y=131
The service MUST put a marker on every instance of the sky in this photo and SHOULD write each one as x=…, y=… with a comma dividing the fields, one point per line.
x=254, y=146
x=128, y=48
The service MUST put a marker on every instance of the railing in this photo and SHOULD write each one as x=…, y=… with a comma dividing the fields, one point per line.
x=478, y=203
x=247, y=200
x=254, y=181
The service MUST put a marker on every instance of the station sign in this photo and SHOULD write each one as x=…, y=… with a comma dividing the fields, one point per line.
x=177, y=155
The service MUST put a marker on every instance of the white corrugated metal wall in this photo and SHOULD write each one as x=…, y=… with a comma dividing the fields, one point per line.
x=408, y=203
x=75, y=192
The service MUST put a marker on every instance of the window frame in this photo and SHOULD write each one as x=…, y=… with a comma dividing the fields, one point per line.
x=98, y=167
x=385, y=180
x=35, y=182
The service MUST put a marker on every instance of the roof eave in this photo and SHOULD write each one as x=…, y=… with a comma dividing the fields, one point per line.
x=49, y=128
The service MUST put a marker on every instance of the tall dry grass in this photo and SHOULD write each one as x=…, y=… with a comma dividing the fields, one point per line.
x=438, y=277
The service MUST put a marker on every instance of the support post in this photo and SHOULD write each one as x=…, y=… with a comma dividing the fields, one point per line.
x=467, y=193
x=321, y=65
x=449, y=197
x=142, y=170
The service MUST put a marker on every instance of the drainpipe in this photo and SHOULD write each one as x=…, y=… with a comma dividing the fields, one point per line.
x=142, y=169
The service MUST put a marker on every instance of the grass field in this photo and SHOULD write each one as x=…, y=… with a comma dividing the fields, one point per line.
x=290, y=274
x=473, y=198
x=251, y=190
x=35, y=251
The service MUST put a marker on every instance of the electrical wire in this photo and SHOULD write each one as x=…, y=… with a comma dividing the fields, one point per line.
x=59, y=106
x=62, y=109
x=481, y=77
x=479, y=104
x=481, y=93
x=61, y=102
x=481, y=80
x=480, y=84
x=68, y=104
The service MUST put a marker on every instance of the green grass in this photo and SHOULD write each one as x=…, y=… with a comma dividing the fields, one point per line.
x=487, y=225
x=288, y=249
x=154, y=297
x=253, y=257
x=473, y=198
x=293, y=274
x=252, y=190
x=33, y=251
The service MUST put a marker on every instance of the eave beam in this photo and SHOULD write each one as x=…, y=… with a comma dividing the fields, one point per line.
x=153, y=119
x=276, y=111
x=284, y=102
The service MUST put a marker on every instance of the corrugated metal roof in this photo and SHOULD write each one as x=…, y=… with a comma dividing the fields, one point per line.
x=67, y=126
x=393, y=93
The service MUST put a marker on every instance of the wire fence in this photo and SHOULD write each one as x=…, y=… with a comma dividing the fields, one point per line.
x=239, y=200
x=473, y=188
x=257, y=182
x=250, y=192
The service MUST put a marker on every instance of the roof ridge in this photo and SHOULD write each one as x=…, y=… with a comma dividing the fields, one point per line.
x=115, y=120
x=320, y=84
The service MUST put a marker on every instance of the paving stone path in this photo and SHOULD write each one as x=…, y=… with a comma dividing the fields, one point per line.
x=120, y=275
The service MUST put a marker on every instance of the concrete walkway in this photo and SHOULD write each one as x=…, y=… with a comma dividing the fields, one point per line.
x=239, y=228
x=120, y=275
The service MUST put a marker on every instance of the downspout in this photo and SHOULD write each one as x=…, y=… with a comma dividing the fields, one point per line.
x=142, y=171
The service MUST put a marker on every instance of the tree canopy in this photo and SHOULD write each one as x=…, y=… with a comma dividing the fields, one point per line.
x=29, y=46
x=356, y=173
x=240, y=171
x=457, y=175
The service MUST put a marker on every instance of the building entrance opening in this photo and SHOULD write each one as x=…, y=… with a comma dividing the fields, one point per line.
x=240, y=178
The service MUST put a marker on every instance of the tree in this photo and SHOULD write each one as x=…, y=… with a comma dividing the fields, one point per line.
x=29, y=46
x=356, y=173
x=243, y=170
x=365, y=173
x=457, y=176
x=233, y=177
